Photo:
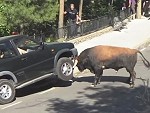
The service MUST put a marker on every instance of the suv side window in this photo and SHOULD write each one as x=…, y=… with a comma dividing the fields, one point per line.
x=25, y=45
x=6, y=50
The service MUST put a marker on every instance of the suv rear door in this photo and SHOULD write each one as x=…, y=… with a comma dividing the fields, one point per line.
x=9, y=61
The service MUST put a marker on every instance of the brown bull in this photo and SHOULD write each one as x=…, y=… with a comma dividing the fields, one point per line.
x=98, y=58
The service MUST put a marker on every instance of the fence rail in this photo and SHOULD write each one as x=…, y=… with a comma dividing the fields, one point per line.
x=75, y=30
x=89, y=26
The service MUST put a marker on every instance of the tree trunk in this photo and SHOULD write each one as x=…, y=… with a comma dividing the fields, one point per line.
x=61, y=18
x=139, y=3
x=80, y=8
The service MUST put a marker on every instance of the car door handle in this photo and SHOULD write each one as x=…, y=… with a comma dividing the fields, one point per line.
x=24, y=58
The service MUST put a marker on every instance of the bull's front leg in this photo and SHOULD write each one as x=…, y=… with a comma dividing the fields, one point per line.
x=95, y=80
x=98, y=75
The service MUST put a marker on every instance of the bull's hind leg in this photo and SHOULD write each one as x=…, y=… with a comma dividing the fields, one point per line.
x=132, y=77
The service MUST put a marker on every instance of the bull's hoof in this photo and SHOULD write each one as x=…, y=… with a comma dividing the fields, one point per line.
x=99, y=82
x=130, y=82
x=132, y=85
x=93, y=85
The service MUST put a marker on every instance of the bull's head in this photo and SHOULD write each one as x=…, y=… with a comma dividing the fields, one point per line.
x=81, y=64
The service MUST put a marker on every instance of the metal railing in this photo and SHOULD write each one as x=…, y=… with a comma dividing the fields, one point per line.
x=83, y=28
x=88, y=26
x=93, y=25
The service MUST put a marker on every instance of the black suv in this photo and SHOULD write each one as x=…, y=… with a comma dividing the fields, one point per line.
x=24, y=61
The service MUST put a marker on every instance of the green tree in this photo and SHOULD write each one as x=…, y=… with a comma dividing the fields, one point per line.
x=25, y=13
x=94, y=8
x=4, y=30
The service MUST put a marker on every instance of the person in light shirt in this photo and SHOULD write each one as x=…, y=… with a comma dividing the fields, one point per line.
x=132, y=6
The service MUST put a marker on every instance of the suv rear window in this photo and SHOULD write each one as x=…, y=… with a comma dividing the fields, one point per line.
x=6, y=50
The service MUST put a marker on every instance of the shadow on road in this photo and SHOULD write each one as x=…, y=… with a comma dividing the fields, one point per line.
x=107, y=99
x=41, y=86
x=90, y=79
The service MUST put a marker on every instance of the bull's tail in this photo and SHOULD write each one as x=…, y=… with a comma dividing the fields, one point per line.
x=145, y=61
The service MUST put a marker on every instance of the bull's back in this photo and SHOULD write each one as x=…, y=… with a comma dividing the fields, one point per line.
x=110, y=52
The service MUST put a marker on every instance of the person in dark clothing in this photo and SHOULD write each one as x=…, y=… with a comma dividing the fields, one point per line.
x=73, y=18
x=146, y=6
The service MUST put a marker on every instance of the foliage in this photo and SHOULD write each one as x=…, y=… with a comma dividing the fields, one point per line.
x=94, y=8
x=4, y=31
x=36, y=16
x=118, y=4
x=26, y=13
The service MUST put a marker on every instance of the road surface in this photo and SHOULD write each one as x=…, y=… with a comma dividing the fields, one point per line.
x=113, y=95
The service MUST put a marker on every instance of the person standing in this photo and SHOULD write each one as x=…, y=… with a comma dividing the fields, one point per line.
x=146, y=6
x=73, y=19
x=132, y=6
x=124, y=9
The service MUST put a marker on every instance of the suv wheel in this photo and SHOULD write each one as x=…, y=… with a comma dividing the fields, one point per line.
x=7, y=91
x=64, y=69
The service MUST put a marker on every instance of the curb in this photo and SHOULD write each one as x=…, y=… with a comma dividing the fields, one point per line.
x=91, y=35
x=95, y=33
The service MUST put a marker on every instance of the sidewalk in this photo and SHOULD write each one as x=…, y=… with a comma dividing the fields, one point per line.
x=136, y=34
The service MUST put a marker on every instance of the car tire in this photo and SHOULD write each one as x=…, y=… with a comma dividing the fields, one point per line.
x=64, y=69
x=7, y=91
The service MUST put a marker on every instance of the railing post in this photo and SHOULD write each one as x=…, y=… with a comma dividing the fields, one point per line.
x=68, y=31
x=139, y=9
x=81, y=26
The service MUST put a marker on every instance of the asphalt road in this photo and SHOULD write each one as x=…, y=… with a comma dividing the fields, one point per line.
x=113, y=95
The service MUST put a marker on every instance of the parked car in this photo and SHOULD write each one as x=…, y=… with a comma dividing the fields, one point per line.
x=24, y=61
